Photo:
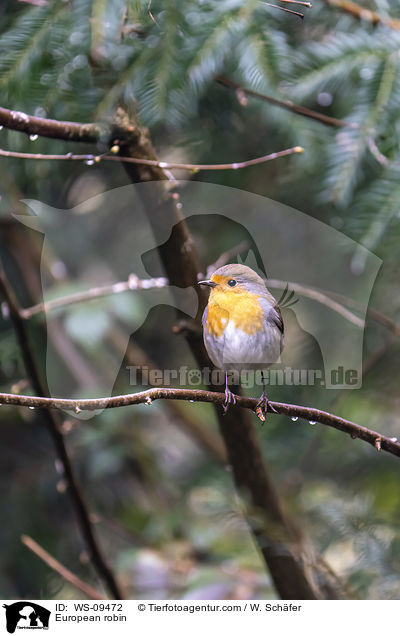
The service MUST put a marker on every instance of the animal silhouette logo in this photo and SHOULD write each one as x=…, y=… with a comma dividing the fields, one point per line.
x=26, y=615
x=289, y=245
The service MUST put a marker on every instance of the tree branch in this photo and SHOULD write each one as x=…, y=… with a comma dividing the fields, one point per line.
x=62, y=130
x=361, y=13
x=320, y=297
x=294, y=569
x=181, y=417
x=58, y=567
x=193, y=167
x=53, y=423
x=379, y=441
x=132, y=284
x=286, y=104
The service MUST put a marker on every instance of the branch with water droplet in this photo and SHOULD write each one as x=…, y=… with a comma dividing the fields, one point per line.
x=91, y=160
x=295, y=412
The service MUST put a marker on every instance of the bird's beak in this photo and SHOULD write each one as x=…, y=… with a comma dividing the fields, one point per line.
x=208, y=283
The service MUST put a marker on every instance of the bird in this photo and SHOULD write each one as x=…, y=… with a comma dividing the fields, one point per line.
x=242, y=326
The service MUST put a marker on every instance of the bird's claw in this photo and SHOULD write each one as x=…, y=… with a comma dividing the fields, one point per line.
x=230, y=398
x=262, y=407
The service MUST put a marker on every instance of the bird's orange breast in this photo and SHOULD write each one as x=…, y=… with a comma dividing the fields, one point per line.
x=242, y=308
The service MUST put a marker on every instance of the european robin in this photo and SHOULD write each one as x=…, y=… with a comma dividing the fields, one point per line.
x=242, y=325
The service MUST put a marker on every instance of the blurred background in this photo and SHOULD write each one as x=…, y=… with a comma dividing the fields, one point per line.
x=156, y=479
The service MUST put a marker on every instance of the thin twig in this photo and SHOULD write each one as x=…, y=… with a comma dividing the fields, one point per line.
x=132, y=284
x=194, y=167
x=375, y=152
x=227, y=256
x=54, y=427
x=362, y=13
x=391, y=445
x=58, y=567
x=314, y=294
x=304, y=4
x=374, y=314
x=286, y=104
x=182, y=417
x=276, y=6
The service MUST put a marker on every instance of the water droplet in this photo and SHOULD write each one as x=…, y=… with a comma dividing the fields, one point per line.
x=58, y=269
x=1, y=127
x=312, y=422
x=90, y=161
x=33, y=137
x=5, y=310
x=366, y=73
x=162, y=164
x=324, y=99
x=32, y=408
x=40, y=112
x=235, y=166
x=59, y=466
x=294, y=418
x=191, y=401
x=61, y=486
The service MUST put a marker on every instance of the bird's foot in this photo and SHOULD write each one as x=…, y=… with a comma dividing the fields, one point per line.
x=230, y=398
x=262, y=407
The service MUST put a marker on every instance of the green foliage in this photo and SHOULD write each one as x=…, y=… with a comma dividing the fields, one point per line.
x=76, y=60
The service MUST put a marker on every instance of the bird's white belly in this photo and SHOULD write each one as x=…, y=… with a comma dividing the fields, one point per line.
x=238, y=350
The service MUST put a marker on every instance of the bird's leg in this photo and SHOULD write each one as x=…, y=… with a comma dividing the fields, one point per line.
x=263, y=403
x=230, y=398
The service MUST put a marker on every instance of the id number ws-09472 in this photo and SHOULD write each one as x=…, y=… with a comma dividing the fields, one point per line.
x=98, y=607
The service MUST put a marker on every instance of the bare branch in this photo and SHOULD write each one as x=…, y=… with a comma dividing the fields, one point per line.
x=193, y=167
x=227, y=256
x=361, y=13
x=375, y=152
x=182, y=417
x=276, y=6
x=58, y=567
x=286, y=104
x=132, y=284
x=53, y=423
x=391, y=445
x=304, y=4
x=63, y=130
x=314, y=294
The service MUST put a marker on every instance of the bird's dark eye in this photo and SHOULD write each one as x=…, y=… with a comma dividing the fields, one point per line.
x=231, y=282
